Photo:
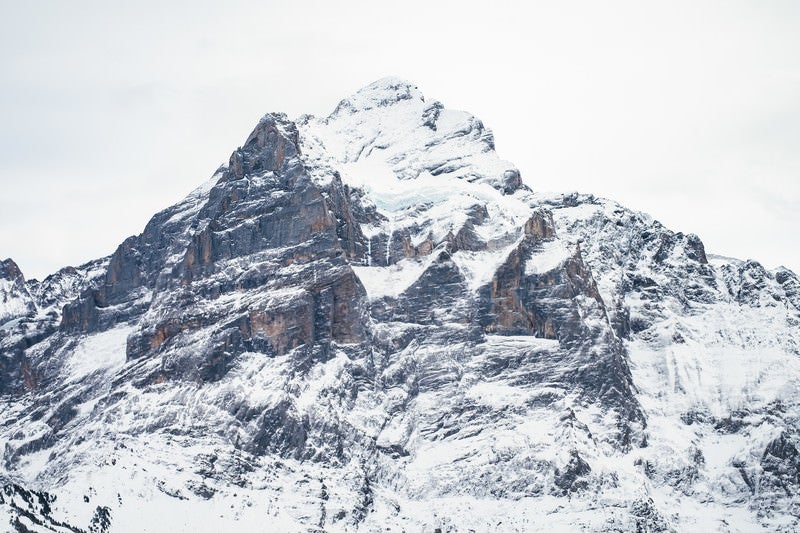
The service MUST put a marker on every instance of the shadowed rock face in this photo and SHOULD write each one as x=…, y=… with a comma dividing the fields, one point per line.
x=259, y=266
x=10, y=271
x=368, y=320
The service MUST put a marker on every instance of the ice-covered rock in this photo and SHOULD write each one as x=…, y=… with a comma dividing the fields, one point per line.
x=367, y=321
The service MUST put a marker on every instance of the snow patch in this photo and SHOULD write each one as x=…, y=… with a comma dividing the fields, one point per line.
x=548, y=256
x=479, y=267
x=13, y=301
x=101, y=352
x=392, y=281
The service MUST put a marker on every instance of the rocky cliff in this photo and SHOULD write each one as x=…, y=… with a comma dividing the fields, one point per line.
x=367, y=321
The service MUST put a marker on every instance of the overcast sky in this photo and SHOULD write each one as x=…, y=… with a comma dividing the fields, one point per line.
x=689, y=111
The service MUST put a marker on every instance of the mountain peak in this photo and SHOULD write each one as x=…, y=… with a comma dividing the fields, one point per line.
x=272, y=144
x=390, y=123
x=10, y=270
x=15, y=300
x=380, y=93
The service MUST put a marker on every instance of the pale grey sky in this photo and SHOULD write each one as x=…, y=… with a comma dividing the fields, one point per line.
x=689, y=111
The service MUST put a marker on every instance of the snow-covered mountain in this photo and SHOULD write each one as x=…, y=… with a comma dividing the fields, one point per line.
x=368, y=322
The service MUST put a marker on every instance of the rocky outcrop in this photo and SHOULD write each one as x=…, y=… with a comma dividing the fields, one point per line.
x=17, y=331
x=262, y=265
x=15, y=300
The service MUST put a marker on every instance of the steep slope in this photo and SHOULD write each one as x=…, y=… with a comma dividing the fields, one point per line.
x=713, y=346
x=366, y=321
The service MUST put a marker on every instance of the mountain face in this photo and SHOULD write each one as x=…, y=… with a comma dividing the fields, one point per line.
x=368, y=322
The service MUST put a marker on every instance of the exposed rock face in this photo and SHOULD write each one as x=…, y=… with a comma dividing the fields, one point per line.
x=368, y=321
x=37, y=313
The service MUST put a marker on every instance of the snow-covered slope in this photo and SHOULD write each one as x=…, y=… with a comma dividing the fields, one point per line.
x=367, y=322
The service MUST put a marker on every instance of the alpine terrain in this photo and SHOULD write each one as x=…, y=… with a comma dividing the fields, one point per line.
x=368, y=322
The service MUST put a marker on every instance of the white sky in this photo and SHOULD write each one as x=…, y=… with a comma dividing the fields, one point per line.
x=690, y=111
